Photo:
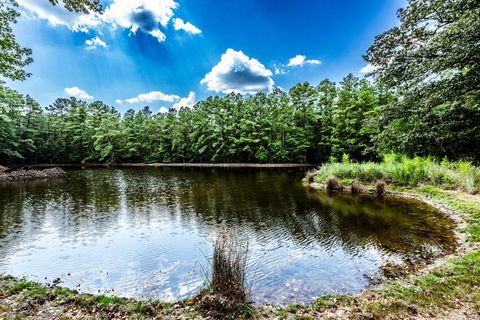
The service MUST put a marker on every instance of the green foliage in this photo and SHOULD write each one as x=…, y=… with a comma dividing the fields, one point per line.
x=432, y=60
x=279, y=127
x=351, y=131
x=405, y=171
x=83, y=6
x=12, y=56
x=18, y=119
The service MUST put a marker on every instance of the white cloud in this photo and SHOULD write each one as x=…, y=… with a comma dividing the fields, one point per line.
x=300, y=60
x=238, y=73
x=187, y=102
x=59, y=16
x=150, y=97
x=179, y=24
x=147, y=15
x=118, y=101
x=94, y=43
x=163, y=110
x=78, y=93
x=368, y=69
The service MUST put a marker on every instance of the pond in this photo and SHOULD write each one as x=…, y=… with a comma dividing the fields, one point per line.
x=148, y=233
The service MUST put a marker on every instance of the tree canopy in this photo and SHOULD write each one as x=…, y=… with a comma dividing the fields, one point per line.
x=306, y=124
x=432, y=61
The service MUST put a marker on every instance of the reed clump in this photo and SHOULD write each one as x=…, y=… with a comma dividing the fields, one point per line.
x=356, y=187
x=380, y=189
x=227, y=294
x=229, y=265
x=334, y=184
x=311, y=176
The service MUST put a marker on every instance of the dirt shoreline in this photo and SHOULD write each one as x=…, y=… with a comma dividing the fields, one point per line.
x=31, y=174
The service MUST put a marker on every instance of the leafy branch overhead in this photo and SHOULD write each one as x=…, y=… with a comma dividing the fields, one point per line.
x=13, y=57
x=84, y=6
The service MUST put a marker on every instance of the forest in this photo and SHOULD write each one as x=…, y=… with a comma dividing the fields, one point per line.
x=421, y=98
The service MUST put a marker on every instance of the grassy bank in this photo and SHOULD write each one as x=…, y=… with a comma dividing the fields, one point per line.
x=21, y=299
x=404, y=171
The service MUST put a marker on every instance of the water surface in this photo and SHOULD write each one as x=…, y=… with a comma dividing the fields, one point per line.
x=147, y=233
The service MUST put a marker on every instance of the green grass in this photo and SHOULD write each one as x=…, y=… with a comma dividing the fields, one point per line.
x=294, y=307
x=28, y=290
x=405, y=171
x=281, y=313
x=328, y=301
x=456, y=283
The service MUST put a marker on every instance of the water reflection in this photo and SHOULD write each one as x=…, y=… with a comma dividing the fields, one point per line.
x=144, y=232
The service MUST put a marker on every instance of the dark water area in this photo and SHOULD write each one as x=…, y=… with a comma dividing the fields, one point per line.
x=148, y=232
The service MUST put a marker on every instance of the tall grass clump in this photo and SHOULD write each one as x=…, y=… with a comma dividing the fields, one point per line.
x=355, y=187
x=227, y=295
x=311, y=176
x=380, y=189
x=407, y=171
x=333, y=184
x=229, y=266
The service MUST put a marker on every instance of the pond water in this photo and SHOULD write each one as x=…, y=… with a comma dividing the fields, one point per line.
x=148, y=233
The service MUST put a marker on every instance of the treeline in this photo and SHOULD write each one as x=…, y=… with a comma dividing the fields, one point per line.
x=306, y=124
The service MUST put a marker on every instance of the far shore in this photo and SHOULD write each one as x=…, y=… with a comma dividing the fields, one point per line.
x=162, y=165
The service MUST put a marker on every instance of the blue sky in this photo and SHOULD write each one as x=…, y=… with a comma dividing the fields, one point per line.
x=165, y=53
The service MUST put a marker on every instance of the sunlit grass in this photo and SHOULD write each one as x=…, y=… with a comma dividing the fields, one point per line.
x=405, y=171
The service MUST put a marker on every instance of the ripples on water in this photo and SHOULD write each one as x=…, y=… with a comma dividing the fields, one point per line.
x=145, y=233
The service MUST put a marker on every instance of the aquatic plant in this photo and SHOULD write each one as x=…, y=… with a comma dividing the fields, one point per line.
x=227, y=295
